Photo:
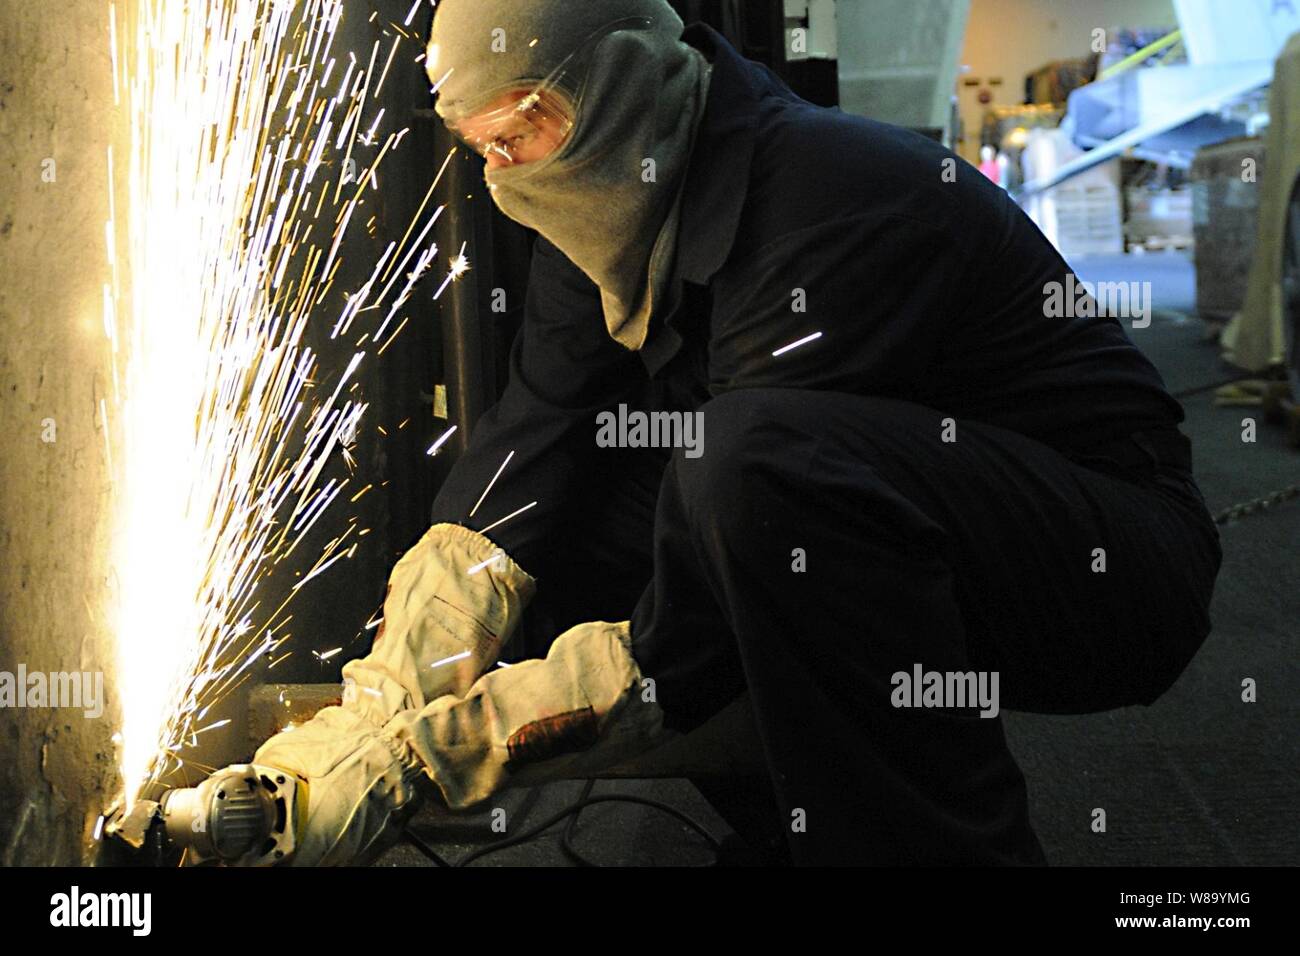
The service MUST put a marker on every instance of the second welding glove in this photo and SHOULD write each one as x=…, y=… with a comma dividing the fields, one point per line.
x=583, y=709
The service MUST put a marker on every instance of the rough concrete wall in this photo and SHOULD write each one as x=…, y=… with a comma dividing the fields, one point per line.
x=57, y=767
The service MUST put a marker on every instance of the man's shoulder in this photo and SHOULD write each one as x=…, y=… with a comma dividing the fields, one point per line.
x=814, y=165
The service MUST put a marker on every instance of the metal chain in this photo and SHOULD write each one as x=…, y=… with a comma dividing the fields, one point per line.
x=1236, y=512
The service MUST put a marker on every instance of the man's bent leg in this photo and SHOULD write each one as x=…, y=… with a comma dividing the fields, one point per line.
x=828, y=542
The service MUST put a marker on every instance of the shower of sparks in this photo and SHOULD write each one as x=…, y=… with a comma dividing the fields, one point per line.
x=249, y=157
x=794, y=345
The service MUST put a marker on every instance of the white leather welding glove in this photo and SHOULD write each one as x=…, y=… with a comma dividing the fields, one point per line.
x=453, y=602
x=581, y=710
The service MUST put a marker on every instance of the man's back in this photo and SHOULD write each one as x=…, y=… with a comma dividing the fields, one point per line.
x=925, y=279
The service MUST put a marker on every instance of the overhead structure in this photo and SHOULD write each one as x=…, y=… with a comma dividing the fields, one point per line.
x=898, y=59
x=1169, y=112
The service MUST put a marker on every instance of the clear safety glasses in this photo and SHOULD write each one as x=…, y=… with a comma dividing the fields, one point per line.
x=530, y=123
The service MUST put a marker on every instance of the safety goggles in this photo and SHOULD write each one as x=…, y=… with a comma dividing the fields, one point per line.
x=531, y=123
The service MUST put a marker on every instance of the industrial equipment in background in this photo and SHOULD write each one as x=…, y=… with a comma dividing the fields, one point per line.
x=1191, y=140
x=1161, y=98
x=1167, y=111
x=899, y=61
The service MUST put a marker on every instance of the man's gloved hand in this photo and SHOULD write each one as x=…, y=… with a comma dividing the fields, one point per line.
x=453, y=602
x=583, y=709
x=360, y=787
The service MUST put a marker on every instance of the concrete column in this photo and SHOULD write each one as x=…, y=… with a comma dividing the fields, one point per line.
x=57, y=766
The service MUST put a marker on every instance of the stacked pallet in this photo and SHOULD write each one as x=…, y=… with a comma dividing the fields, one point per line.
x=1159, y=219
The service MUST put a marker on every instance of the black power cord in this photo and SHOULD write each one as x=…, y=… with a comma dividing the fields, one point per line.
x=430, y=852
x=566, y=842
x=566, y=839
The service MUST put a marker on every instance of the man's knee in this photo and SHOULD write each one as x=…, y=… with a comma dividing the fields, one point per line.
x=761, y=455
x=750, y=451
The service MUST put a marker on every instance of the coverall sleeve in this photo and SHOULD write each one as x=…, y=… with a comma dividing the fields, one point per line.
x=564, y=369
x=877, y=290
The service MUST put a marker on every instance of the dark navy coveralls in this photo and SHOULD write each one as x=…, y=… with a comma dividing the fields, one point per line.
x=973, y=554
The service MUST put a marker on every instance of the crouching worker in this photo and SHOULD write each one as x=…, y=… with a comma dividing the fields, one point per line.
x=912, y=464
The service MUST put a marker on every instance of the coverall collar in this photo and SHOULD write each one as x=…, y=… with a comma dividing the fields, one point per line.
x=717, y=182
x=718, y=176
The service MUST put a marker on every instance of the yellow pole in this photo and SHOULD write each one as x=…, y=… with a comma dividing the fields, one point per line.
x=1164, y=43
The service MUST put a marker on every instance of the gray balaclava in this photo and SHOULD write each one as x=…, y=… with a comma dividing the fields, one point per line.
x=641, y=94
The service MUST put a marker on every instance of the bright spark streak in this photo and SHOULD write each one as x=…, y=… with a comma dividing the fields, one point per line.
x=450, y=660
x=321, y=570
x=491, y=483
x=794, y=345
x=459, y=266
x=433, y=450
x=384, y=74
x=396, y=332
x=483, y=564
x=512, y=514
